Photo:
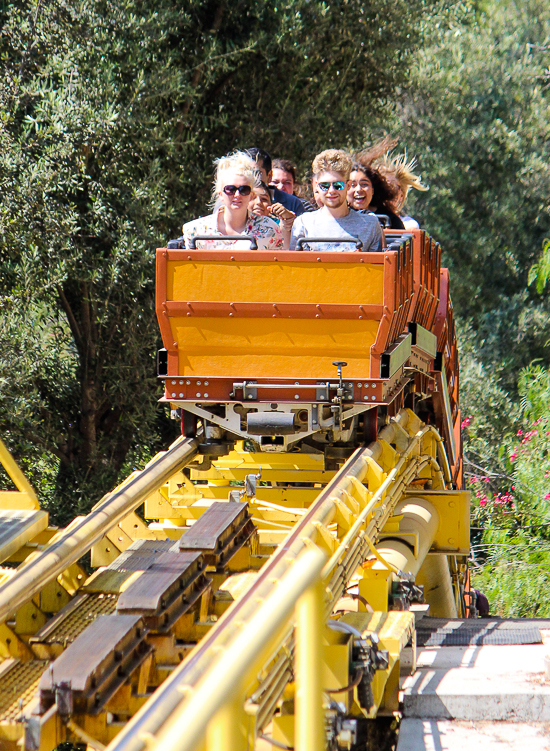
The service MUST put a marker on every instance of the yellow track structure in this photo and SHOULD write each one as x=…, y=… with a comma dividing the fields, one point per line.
x=272, y=640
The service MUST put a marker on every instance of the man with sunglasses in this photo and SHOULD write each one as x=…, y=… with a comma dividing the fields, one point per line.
x=331, y=170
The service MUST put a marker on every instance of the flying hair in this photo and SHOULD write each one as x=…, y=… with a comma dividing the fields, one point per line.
x=332, y=160
x=380, y=148
x=402, y=168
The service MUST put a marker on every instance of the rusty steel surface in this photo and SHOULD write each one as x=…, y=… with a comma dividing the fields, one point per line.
x=166, y=590
x=213, y=526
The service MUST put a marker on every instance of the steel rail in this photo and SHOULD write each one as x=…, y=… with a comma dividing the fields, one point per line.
x=71, y=544
x=137, y=734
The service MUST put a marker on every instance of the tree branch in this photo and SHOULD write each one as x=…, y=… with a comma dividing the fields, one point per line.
x=75, y=329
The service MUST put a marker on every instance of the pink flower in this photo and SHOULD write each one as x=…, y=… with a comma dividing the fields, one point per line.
x=483, y=502
x=514, y=456
x=547, y=497
x=519, y=433
x=466, y=422
x=486, y=479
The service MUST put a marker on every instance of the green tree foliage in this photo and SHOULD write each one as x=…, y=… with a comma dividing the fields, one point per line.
x=476, y=116
x=111, y=115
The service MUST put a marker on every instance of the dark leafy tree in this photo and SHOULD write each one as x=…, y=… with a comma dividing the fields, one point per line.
x=111, y=115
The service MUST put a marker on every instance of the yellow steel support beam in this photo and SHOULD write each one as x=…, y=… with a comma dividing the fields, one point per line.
x=310, y=726
x=26, y=493
x=346, y=518
x=68, y=546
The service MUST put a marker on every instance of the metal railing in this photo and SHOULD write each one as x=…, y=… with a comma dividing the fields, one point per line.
x=85, y=531
x=212, y=709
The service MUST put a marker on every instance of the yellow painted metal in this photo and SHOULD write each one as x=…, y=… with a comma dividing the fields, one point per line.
x=272, y=347
x=15, y=499
x=335, y=662
x=434, y=576
x=249, y=633
x=418, y=518
x=375, y=587
x=11, y=645
x=285, y=281
x=346, y=518
x=286, y=468
x=66, y=548
x=235, y=666
x=453, y=532
x=310, y=725
x=175, y=502
x=12, y=541
x=19, y=480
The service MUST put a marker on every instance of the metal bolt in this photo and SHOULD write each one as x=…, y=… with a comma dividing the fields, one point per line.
x=198, y=383
x=206, y=383
x=321, y=398
x=350, y=385
x=366, y=397
x=359, y=385
x=373, y=385
x=296, y=396
x=181, y=383
x=250, y=396
x=205, y=395
x=198, y=393
x=188, y=383
x=173, y=393
x=173, y=383
x=181, y=394
x=373, y=398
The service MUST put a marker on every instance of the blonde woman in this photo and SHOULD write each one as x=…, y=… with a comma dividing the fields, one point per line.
x=234, y=184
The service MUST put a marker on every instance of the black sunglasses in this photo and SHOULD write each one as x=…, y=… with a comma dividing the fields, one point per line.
x=242, y=190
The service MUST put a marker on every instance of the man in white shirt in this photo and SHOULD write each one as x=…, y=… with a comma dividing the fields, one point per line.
x=331, y=170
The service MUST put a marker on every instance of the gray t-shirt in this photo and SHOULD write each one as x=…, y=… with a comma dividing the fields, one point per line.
x=321, y=223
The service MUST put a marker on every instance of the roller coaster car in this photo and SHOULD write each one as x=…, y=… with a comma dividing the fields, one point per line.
x=308, y=350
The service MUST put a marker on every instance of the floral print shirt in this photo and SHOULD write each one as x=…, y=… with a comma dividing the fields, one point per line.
x=267, y=233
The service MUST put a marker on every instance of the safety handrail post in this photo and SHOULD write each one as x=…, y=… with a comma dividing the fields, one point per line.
x=310, y=726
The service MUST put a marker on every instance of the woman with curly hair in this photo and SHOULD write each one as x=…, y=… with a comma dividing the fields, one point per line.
x=370, y=191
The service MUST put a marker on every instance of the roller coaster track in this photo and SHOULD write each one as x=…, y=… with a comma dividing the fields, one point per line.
x=243, y=628
x=263, y=582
